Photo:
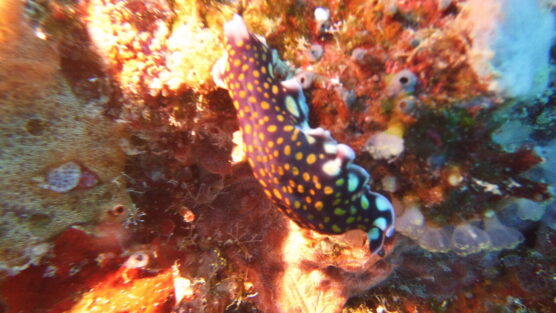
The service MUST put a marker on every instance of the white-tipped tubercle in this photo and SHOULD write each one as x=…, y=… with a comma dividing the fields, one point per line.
x=236, y=30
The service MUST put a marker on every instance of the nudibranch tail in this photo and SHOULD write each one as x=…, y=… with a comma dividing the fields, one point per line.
x=306, y=173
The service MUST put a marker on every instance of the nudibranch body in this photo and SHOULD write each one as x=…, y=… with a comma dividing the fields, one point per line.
x=306, y=173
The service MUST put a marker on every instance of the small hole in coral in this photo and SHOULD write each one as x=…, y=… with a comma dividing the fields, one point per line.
x=35, y=126
x=39, y=220
x=404, y=80
x=118, y=210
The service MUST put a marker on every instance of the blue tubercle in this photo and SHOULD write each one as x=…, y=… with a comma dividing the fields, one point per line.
x=307, y=174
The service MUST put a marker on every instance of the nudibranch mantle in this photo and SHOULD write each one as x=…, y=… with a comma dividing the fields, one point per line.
x=306, y=173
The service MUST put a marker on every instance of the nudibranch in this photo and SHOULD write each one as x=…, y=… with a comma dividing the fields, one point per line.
x=306, y=173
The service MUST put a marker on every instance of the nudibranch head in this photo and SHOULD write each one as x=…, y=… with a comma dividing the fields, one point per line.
x=307, y=174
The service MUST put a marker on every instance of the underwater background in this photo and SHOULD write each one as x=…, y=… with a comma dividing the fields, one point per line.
x=128, y=181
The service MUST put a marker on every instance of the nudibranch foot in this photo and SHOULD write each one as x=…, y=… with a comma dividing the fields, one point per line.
x=307, y=174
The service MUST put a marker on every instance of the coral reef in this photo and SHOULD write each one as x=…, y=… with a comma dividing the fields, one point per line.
x=450, y=111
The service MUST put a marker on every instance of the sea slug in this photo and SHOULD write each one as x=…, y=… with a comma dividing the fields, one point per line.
x=306, y=173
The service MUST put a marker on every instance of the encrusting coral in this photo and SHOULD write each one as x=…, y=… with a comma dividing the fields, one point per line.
x=54, y=171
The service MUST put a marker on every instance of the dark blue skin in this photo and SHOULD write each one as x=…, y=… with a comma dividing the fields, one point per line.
x=307, y=174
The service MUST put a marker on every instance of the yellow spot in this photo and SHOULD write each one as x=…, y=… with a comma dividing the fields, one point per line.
x=308, y=199
x=261, y=136
x=242, y=94
x=266, y=85
x=275, y=89
x=319, y=205
x=340, y=182
x=299, y=156
x=287, y=166
x=262, y=172
x=328, y=190
x=249, y=86
x=297, y=204
x=265, y=105
x=337, y=201
x=287, y=150
x=326, y=219
x=339, y=211
x=280, y=117
x=295, y=134
x=245, y=67
x=256, y=73
x=240, y=77
x=252, y=99
x=266, y=95
x=288, y=128
x=271, y=128
x=321, y=226
x=270, y=144
x=300, y=188
x=350, y=220
x=276, y=153
x=311, y=158
x=280, y=170
x=268, y=193
x=280, y=140
x=295, y=171
x=306, y=176
x=312, y=192
x=336, y=228
x=247, y=47
x=237, y=62
x=291, y=106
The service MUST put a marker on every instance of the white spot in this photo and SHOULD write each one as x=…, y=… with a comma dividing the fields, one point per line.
x=353, y=182
x=380, y=223
x=292, y=85
x=320, y=133
x=345, y=152
x=310, y=139
x=330, y=148
x=332, y=168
